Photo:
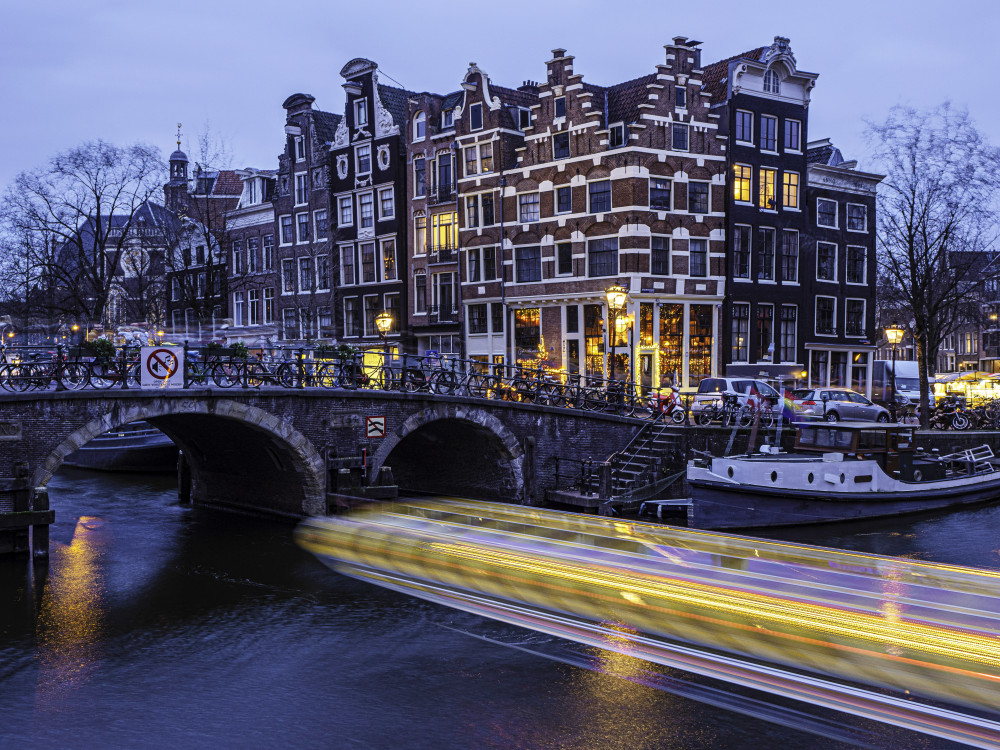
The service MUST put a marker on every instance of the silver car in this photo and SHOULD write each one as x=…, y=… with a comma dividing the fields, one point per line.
x=835, y=404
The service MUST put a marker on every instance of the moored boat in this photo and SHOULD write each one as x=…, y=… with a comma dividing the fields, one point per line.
x=136, y=447
x=838, y=472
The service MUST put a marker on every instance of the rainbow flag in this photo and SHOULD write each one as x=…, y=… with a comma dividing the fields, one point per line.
x=787, y=407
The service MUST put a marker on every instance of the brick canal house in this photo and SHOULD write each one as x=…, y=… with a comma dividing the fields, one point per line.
x=434, y=308
x=368, y=196
x=618, y=185
x=799, y=292
x=304, y=300
x=253, y=279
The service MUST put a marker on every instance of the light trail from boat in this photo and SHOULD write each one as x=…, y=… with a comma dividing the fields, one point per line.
x=734, y=608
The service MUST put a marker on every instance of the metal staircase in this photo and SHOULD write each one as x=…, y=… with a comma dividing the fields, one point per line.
x=648, y=464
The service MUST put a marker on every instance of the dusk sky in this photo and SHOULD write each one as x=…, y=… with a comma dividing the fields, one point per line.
x=130, y=71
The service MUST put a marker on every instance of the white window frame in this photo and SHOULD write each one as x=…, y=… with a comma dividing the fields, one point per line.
x=392, y=203
x=361, y=219
x=555, y=100
x=471, y=252
x=253, y=304
x=687, y=139
x=281, y=276
x=361, y=108
x=836, y=258
x=753, y=125
x=864, y=266
x=785, y=144
x=447, y=119
x=619, y=126
x=419, y=119
x=538, y=204
x=864, y=312
x=798, y=190
x=320, y=287
x=298, y=227
x=555, y=199
x=568, y=149
x=316, y=215
x=306, y=263
x=777, y=135
x=281, y=234
x=345, y=201
x=300, y=148
x=239, y=309
x=301, y=188
x=771, y=83
x=419, y=273
x=357, y=158
x=266, y=311
x=344, y=251
x=836, y=213
x=847, y=222
x=816, y=315
x=482, y=121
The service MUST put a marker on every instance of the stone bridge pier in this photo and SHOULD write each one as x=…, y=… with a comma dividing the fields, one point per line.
x=268, y=450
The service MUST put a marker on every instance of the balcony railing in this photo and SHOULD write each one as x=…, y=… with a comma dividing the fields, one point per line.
x=440, y=194
x=442, y=314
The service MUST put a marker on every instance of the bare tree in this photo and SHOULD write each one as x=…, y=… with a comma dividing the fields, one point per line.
x=936, y=221
x=67, y=225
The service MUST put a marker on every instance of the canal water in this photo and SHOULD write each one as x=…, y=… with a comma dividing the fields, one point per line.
x=157, y=625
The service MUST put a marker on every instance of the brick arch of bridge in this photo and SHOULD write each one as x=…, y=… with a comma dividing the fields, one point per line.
x=455, y=449
x=238, y=454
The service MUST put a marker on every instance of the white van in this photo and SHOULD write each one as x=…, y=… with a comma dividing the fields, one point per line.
x=907, y=381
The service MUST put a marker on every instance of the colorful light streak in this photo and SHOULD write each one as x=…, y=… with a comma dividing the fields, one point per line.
x=738, y=607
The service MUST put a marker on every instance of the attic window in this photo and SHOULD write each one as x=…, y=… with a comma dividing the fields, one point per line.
x=680, y=97
x=560, y=106
x=616, y=136
x=525, y=117
x=419, y=126
x=771, y=83
x=360, y=113
x=476, y=116
x=448, y=119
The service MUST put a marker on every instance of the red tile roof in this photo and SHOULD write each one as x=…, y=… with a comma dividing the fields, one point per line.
x=228, y=183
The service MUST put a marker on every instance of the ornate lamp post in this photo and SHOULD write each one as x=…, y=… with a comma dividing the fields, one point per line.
x=383, y=322
x=616, y=301
x=894, y=334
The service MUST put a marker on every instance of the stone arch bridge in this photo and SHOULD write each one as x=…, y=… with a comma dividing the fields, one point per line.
x=268, y=450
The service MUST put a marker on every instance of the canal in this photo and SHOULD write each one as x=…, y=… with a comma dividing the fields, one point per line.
x=157, y=625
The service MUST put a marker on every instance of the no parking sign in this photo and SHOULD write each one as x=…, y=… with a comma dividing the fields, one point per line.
x=161, y=367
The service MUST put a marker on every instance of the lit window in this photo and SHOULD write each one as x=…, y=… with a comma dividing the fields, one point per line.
x=742, y=176
x=767, y=188
x=790, y=190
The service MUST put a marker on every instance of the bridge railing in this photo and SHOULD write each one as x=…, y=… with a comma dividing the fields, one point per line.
x=77, y=368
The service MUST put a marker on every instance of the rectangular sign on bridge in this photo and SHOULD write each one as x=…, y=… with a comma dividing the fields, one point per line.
x=161, y=367
x=374, y=427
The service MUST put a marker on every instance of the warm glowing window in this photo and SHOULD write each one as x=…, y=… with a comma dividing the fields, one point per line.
x=742, y=175
x=767, y=188
x=790, y=190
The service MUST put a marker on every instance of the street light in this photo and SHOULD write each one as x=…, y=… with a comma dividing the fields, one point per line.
x=616, y=301
x=383, y=322
x=894, y=334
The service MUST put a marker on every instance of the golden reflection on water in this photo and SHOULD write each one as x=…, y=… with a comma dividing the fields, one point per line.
x=71, y=617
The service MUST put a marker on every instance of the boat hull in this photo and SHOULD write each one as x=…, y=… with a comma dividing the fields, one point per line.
x=131, y=450
x=721, y=505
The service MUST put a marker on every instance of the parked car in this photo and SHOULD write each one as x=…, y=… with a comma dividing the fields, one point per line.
x=835, y=404
x=710, y=392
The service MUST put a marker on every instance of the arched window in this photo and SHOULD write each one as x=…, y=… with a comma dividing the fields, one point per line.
x=419, y=126
x=771, y=83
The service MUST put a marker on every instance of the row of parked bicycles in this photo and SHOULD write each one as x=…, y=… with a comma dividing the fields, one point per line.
x=954, y=413
x=26, y=370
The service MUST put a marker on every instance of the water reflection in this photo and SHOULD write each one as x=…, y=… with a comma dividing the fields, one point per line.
x=71, y=618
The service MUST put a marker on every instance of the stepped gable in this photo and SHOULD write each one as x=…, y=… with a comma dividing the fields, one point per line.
x=624, y=99
x=714, y=77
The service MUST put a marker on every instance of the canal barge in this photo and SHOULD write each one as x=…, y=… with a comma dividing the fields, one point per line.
x=133, y=447
x=838, y=471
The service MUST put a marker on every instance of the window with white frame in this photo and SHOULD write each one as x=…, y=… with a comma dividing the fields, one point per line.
x=253, y=307
x=419, y=176
x=857, y=217
x=788, y=334
x=765, y=330
x=386, y=203
x=826, y=261
x=478, y=318
x=307, y=282
x=826, y=213
x=793, y=135
x=768, y=133
x=363, y=159
x=740, y=344
x=175, y=289
x=528, y=207
x=289, y=323
x=287, y=275
x=474, y=260
x=528, y=264
x=472, y=211
x=239, y=310
x=698, y=198
x=826, y=316
x=766, y=180
x=789, y=256
x=347, y=277
x=366, y=210
x=268, y=305
x=368, y=268
x=302, y=223
x=560, y=145
x=237, y=257
x=765, y=254
x=744, y=126
x=301, y=189
x=524, y=118
x=419, y=234
x=420, y=292
x=323, y=271
x=388, y=259
x=854, y=317
x=772, y=84
x=602, y=257
x=599, y=193
x=324, y=319
x=659, y=193
x=659, y=255
x=742, y=181
x=372, y=309
x=287, y=237
x=559, y=104
x=857, y=264
x=790, y=190
x=564, y=259
x=476, y=116
x=352, y=317
x=698, y=257
x=471, y=160
x=448, y=119
x=616, y=135
x=346, y=209
x=564, y=199
x=680, y=97
x=360, y=112
x=419, y=126
x=253, y=256
x=741, y=252
x=322, y=225
x=679, y=136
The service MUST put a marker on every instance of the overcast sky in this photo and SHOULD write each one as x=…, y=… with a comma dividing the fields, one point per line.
x=131, y=70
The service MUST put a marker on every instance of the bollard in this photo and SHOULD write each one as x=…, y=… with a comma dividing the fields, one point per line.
x=185, y=375
x=40, y=532
x=59, y=368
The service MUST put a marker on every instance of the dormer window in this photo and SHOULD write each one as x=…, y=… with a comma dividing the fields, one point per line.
x=525, y=118
x=476, y=116
x=560, y=106
x=771, y=83
x=300, y=148
x=616, y=136
x=360, y=113
x=447, y=119
x=419, y=126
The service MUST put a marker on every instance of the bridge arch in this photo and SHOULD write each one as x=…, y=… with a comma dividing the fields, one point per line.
x=235, y=451
x=455, y=449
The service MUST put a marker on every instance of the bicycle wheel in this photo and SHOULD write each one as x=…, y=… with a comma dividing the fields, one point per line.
x=256, y=374
x=73, y=376
x=225, y=375
x=444, y=381
x=706, y=417
x=287, y=375
x=480, y=386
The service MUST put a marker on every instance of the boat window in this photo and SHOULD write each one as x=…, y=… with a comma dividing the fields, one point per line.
x=832, y=438
x=872, y=439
